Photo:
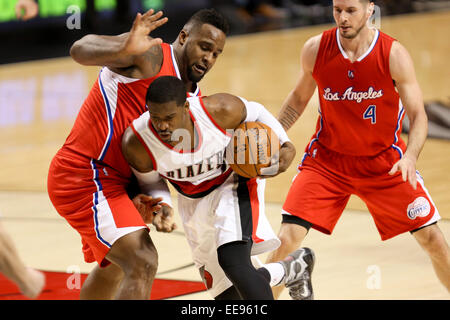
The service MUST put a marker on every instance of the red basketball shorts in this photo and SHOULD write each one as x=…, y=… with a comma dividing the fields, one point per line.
x=326, y=179
x=93, y=199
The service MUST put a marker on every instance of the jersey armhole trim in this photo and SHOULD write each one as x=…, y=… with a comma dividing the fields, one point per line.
x=155, y=167
x=212, y=119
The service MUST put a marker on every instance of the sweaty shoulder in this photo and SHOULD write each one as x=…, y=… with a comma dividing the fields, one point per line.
x=226, y=109
x=310, y=51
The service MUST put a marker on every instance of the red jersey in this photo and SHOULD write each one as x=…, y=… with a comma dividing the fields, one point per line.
x=112, y=104
x=360, y=111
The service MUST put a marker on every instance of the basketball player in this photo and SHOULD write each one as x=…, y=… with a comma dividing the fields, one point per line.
x=88, y=177
x=222, y=213
x=366, y=82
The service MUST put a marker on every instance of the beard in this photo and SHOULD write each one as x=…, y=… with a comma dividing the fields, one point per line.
x=353, y=35
x=193, y=76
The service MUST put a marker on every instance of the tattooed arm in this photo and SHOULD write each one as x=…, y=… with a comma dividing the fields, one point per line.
x=298, y=98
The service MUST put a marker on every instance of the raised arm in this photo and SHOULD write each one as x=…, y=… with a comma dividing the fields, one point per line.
x=296, y=101
x=402, y=72
x=121, y=51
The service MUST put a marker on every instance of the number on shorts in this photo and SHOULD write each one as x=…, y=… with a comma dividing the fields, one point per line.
x=371, y=113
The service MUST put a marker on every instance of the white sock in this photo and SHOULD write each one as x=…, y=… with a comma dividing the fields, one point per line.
x=276, y=271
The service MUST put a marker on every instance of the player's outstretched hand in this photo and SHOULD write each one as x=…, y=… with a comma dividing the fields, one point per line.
x=407, y=166
x=139, y=41
x=146, y=205
x=163, y=220
x=280, y=161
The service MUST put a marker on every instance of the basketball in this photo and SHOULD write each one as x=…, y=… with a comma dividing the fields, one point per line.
x=251, y=148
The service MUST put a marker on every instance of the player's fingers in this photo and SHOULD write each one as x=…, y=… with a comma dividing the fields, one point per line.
x=136, y=21
x=167, y=212
x=404, y=173
x=413, y=179
x=172, y=227
x=148, y=13
x=155, y=16
x=394, y=169
x=275, y=158
x=148, y=217
x=269, y=171
x=156, y=24
x=157, y=221
x=149, y=19
x=154, y=208
x=166, y=228
x=273, y=168
x=150, y=199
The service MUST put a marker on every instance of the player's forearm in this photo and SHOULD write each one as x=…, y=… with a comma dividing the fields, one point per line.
x=417, y=134
x=153, y=185
x=257, y=112
x=101, y=51
x=291, y=110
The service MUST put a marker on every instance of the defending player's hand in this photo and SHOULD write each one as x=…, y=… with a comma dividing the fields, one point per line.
x=147, y=205
x=407, y=166
x=139, y=41
x=280, y=161
x=163, y=219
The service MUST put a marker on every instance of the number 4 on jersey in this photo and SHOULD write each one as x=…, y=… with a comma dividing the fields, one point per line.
x=371, y=113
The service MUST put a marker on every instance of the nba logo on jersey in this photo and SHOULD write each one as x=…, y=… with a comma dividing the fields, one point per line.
x=351, y=74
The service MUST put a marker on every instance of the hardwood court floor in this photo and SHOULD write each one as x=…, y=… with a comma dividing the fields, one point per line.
x=39, y=101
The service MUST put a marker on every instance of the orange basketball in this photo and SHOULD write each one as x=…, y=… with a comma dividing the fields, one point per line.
x=251, y=148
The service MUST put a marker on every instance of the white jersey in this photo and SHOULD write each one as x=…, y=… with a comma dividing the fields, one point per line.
x=194, y=173
x=216, y=205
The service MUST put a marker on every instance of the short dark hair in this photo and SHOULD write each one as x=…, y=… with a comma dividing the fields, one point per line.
x=165, y=89
x=212, y=17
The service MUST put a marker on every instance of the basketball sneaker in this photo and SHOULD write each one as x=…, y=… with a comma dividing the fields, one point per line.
x=298, y=267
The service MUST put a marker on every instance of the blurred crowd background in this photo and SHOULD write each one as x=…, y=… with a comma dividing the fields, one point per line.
x=48, y=36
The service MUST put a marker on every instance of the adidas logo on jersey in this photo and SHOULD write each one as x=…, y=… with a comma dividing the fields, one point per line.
x=351, y=95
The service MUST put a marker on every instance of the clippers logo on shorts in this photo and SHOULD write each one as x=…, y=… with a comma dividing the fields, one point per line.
x=351, y=95
x=419, y=208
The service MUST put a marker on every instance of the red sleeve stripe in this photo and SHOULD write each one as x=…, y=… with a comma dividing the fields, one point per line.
x=212, y=119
